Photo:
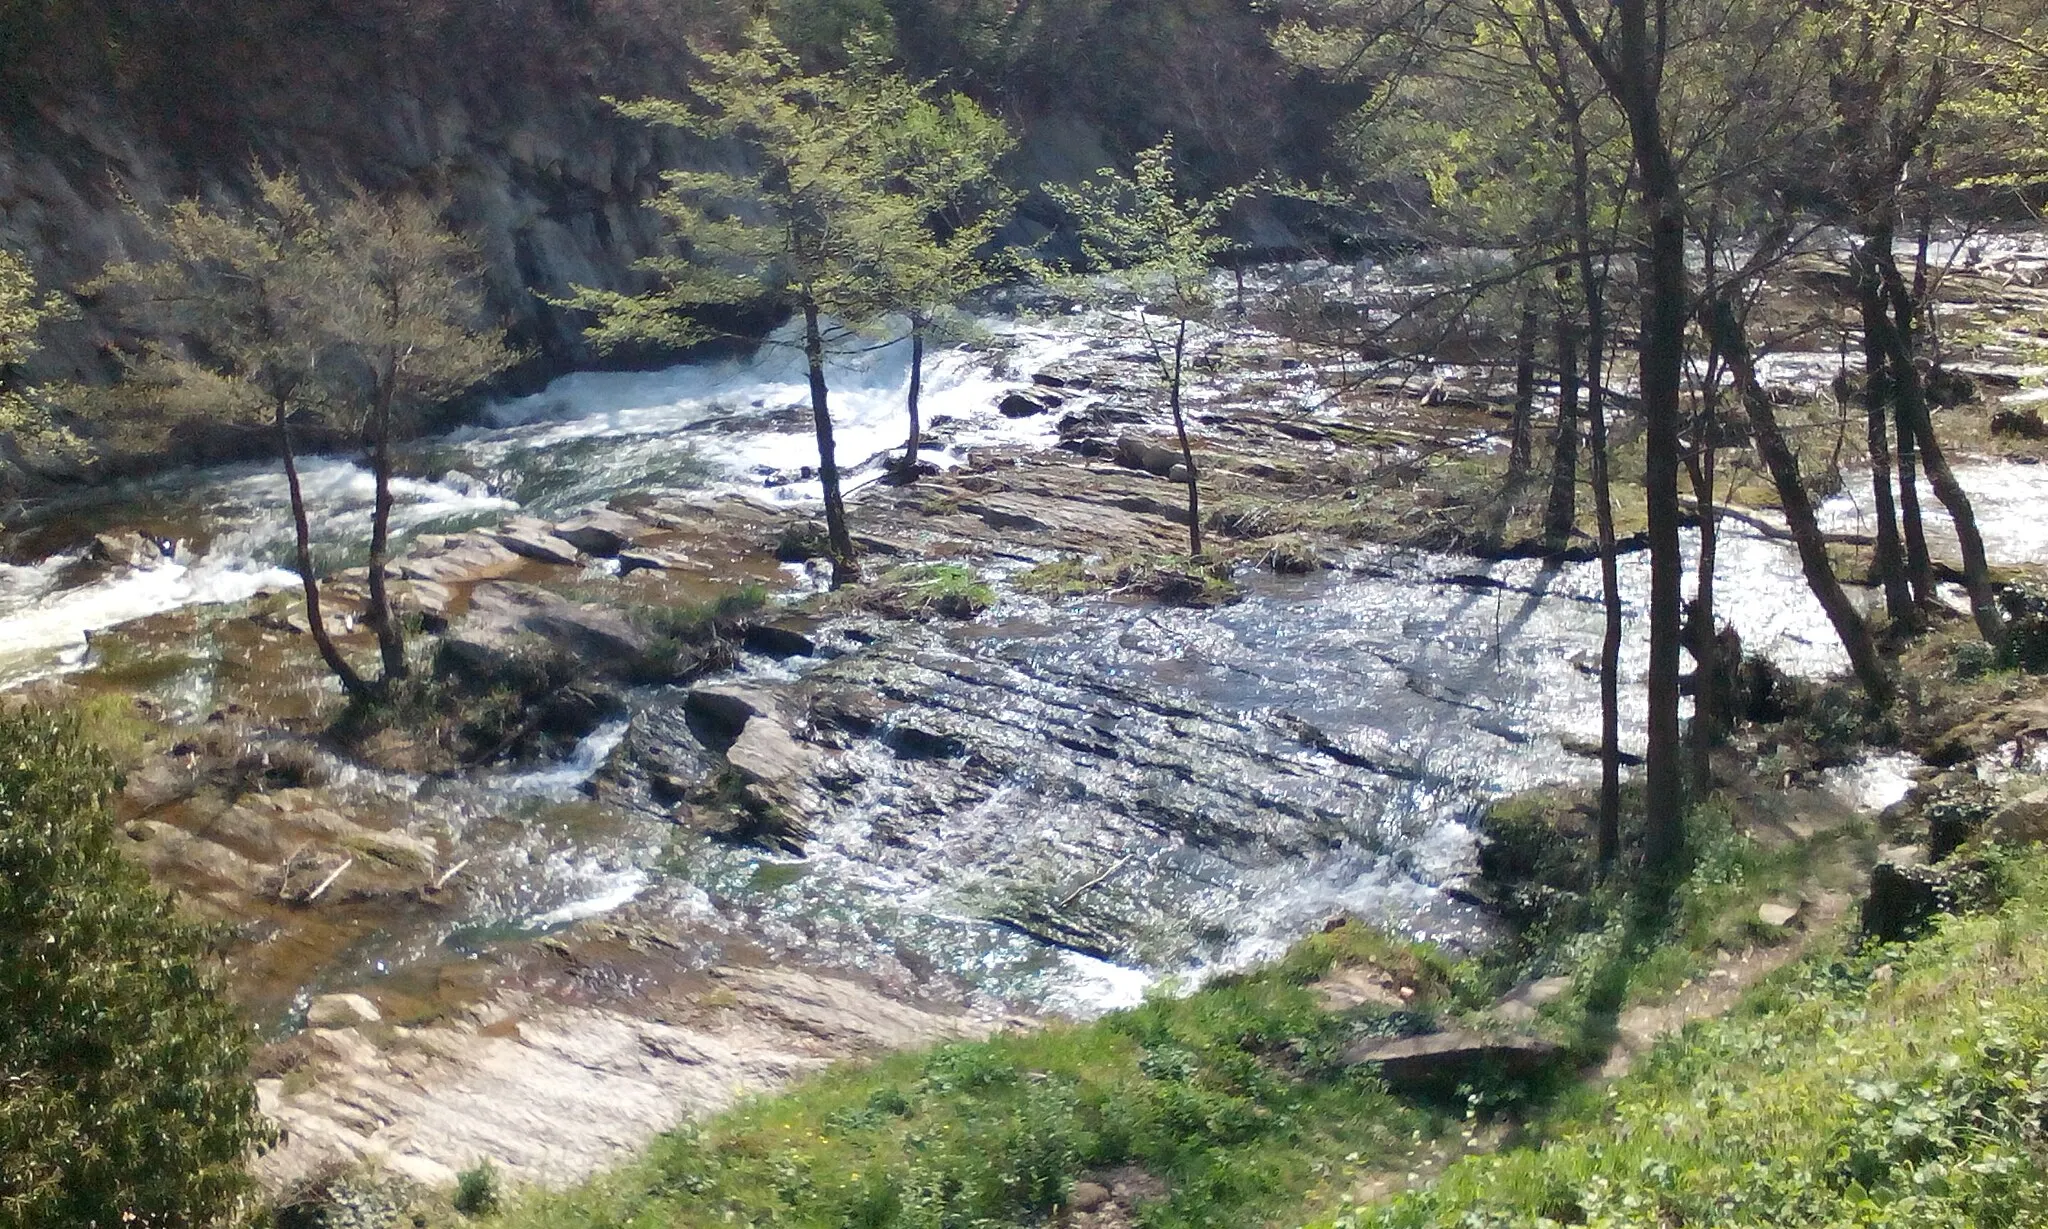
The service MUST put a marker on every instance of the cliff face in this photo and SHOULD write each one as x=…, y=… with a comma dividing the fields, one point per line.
x=502, y=113
x=499, y=105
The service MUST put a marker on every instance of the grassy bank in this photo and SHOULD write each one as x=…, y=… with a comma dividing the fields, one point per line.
x=1900, y=1085
x=1233, y=1102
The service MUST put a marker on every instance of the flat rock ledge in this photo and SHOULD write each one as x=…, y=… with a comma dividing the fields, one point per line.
x=551, y=1093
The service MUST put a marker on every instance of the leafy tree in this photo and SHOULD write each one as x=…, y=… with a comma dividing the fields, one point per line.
x=407, y=315
x=124, y=1097
x=1148, y=242
x=946, y=153
x=24, y=309
x=297, y=314
x=831, y=220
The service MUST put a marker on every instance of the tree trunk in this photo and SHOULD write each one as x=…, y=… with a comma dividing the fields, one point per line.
x=1520, y=426
x=910, y=449
x=845, y=569
x=1708, y=719
x=1608, y=833
x=1798, y=507
x=1562, y=507
x=1889, y=559
x=390, y=636
x=1919, y=564
x=1661, y=360
x=1187, y=453
x=351, y=681
x=1912, y=397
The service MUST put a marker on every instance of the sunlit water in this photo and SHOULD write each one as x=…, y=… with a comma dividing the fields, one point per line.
x=1470, y=679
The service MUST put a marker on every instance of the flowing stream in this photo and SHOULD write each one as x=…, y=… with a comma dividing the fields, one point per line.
x=1152, y=790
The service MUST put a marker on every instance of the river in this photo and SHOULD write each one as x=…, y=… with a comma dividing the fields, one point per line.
x=1186, y=828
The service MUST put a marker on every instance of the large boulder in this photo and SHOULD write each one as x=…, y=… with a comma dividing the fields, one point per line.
x=510, y=626
x=536, y=540
x=1137, y=452
x=1904, y=901
x=602, y=532
x=460, y=560
x=1452, y=1055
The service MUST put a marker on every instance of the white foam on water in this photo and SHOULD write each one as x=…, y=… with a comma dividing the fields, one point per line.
x=709, y=405
x=46, y=633
x=565, y=778
x=1086, y=986
x=619, y=894
x=1873, y=783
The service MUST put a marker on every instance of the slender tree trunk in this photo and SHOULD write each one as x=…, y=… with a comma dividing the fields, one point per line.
x=910, y=449
x=1562, y=508
x=1187, y=453
x=845, y=569
x=1521, y=432
x=390, y=636
x=1608, y=832
x=1798, y=507
x=1912, y=395
x=1708, y=719
x=1919, y=564
x=1889, y=558
x=351, y=681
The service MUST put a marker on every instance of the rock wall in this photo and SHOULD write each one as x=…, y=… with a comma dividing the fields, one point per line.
x=499, y=106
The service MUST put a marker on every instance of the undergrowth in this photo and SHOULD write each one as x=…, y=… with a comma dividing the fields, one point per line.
x=1902, y=1085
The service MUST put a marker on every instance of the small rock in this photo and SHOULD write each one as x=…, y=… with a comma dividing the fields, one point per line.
x=466, y=484
x=345, y=1047
x=2023, y=821
x=341, y=1011
x=1520, y=1005
x=766, y=754
x=1088, y=1196
x=126, y=549
x=779, y=640
x=649, y=558
x=1018, y=405
x=1770, y=913
x=1180, y=474
x=728, y=707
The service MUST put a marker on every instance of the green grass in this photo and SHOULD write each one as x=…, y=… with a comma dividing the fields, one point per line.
x=1893, y=1086
x=920, y=591
x=1235, y=1097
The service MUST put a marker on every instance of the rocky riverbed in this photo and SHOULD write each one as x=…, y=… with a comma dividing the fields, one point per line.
x=834, y=824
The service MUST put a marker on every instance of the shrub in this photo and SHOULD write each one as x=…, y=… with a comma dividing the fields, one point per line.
x=2026, y=611
x=126, y=1098
x=476, y=1190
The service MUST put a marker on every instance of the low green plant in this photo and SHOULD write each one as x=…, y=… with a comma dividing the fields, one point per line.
x=476, y=1190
